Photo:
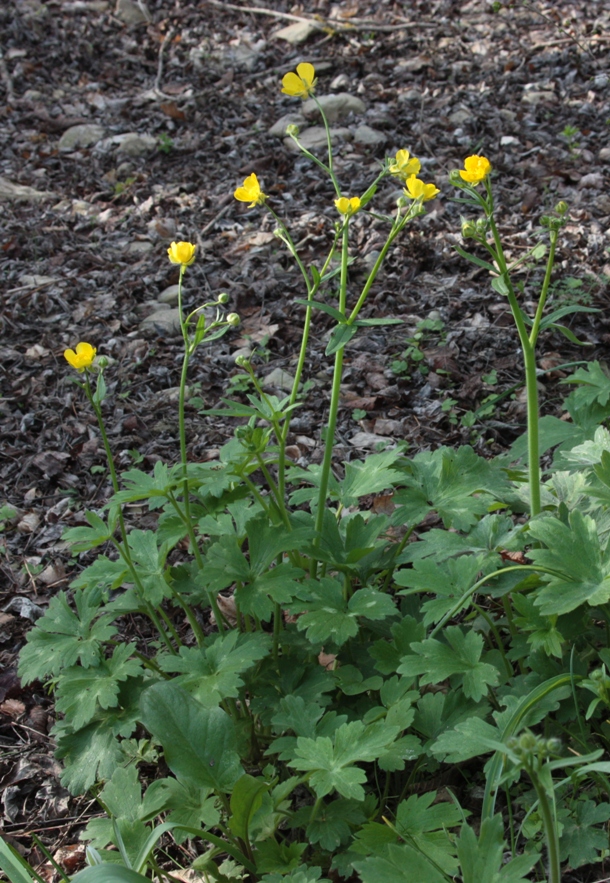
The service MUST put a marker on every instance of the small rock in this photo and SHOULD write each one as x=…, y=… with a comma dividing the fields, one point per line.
x=335, y=106
x=85, y=135
x=508, y=141
x=139, y=248
x=369, y=137
x=297, y=32
x=21, y=192
x=279, y=379
x=593, y=179
x=460, y=116
x=290, y=119
x=340, y=82
x=137, y=145
x=604, y=154
x=132, y=13
x=315, y=137
x=36, y=281
x=169, y=295
x=369, y=440
x=542, y=96
x=409, y=95
x=244, y=351
x=161, y=323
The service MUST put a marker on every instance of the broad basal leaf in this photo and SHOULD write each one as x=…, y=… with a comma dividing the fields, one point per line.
x=199, y=743
x=581, y=565
x=436, y=661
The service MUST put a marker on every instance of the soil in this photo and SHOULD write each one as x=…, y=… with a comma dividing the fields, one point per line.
x=85, y=231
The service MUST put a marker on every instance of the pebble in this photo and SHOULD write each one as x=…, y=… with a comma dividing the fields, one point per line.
x=278, y=130
x=335, y=106
x=368, y=136
x=315, y=137
x=161, y=323
x=297, y=32
x=604, y=154
x=132, y=13
x=129, y=143
x=279, y=379
x=169, y=295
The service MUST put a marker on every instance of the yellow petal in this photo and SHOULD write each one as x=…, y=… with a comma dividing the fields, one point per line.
x=307, y=72
x=293, y=85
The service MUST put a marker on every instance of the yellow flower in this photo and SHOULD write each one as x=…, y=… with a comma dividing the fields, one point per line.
x=301, y=84
x=476, y=169
x=182, y=253
x=82, y=358
x=405, y=165
x=348, y=206
x=416, y=189
x=250, y=192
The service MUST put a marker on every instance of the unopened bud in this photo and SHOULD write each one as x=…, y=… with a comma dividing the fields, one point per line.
x=232, y=319
x=561, y=207
x=455, y=178
x=403, y=202
x=223, y=298
x=292, y=130
x=469, y=229
x=242, y=361
x=102, y=363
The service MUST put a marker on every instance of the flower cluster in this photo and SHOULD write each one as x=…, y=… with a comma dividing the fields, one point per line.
x=81, y=358
x=405, y=165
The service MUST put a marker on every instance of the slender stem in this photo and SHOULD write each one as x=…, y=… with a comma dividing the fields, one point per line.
x=334, y=400
x=553, y=236
x=550, y=827
x=329, y=144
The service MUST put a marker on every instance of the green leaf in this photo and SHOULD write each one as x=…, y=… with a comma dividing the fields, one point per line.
x=372, y=323
x=499, y=284
x=371, y=476
x=80, y=690
x=330, y=761
x=189, y=805
x=581, y=841
x=326, y=308
x=470, y=738
x=482, y=859
x=569, y=334
x=212, y=672
x=62, y=637
x=340, y=336
x=333, y=824
x=398, y=864
x=108, y=872
x=281, y=858
x=446, y=481
x=388, y=654
x=90, y=754
x=246, y=799
x=301, y=874
x=449, y=581
x=326, y=615
x=198, y=743
x=14, y=866
x=593, y=383
x=436, y=661
x=581, y=565
x=423, y=824
x=485, y=265
x=103, y=573
x=82, y=539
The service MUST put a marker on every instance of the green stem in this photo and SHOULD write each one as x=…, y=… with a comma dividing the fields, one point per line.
x=550, y=827
x=334, y=401
x=533, y=337
x=329, y=144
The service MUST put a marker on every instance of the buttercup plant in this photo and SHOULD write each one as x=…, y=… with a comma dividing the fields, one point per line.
x=359, y=654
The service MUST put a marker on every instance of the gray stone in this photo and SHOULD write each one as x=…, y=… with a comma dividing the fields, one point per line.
x=85, y=135
x=314, y=138
x=290, y=119
x=595, y=180
x=21, y=192
x=369, y=137
x=297, y=32
x=604, y=154
x=538, y=96
x=335, y=106
x=132, y=13
x=460, y=116
x=341, y=81
x=279, y=379
x=169, y=295
x=161, y=323
x=129, y=144
x=139, y=247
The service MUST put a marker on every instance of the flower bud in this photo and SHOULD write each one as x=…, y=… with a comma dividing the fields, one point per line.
x=242, y=361
x=481, y=226
x=232, y=319
x=469, y=229
x=402, y=202
x=455, y=178
x=102, y=362
x=292, y=130
x=223, y=298
x=561, y=207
